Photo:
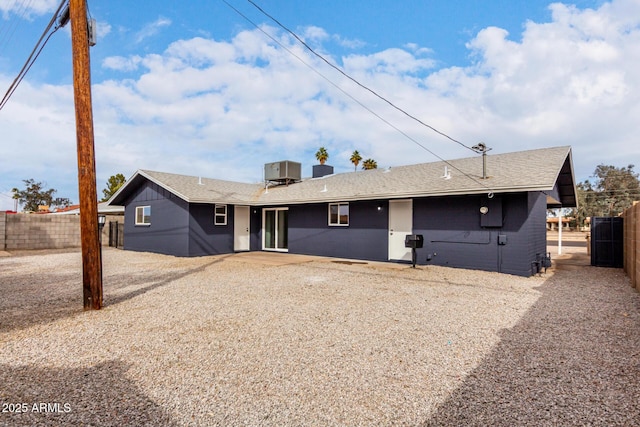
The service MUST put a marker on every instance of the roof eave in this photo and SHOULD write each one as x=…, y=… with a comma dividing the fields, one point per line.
x=407, y=195
x=568, y=192
x=166, y=187
x=119, y=196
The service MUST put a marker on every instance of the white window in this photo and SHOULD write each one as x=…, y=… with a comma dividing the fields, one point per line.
x=143, y=215
x=220, y=215
x=338, y=213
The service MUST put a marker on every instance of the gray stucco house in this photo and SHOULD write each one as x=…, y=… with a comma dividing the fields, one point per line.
x=495, y=222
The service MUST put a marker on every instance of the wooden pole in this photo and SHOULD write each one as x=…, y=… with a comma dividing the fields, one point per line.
x=89, y=235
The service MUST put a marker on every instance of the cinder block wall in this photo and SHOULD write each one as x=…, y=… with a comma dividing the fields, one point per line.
x=3, y=228
x=31, y=231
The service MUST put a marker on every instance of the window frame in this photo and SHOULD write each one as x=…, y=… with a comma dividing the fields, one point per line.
x=146, y=219
x=338, y=223
x=217, y=215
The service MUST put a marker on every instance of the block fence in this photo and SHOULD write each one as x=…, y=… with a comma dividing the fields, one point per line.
x=631, y=246
x=31, y=231
x=3, y=230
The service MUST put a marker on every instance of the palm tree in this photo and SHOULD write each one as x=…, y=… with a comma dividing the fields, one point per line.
x=355, y=159
x=322, y=155
x=369, y=164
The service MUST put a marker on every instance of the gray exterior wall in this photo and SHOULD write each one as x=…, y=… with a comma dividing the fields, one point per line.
x=169, y=229
x=525, y=228
x=205, y=238
x=455, y=233
x=454, y=236
x=452, y=233
x=537, y=226
x=364, y=238
x=179, y=228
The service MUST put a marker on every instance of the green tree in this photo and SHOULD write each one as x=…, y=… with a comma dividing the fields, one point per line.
x=613, y=191
x=355, y=159
x=61, y=202
x=322, y=155
x=34, y=195
x=113, y=184
x=369, y=164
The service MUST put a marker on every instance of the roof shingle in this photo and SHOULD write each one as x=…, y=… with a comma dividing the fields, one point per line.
x=532, y=170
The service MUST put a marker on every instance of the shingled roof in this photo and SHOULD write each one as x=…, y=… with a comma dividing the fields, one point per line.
x=532, y=170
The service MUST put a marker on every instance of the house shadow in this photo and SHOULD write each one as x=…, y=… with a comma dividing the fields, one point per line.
x=571, y=360
x=99, y=395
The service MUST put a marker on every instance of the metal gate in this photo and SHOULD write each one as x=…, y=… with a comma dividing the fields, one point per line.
x=607, y=235
x=116, y=234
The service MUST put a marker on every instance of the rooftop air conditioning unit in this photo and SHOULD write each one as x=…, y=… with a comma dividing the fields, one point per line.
x=284, y=171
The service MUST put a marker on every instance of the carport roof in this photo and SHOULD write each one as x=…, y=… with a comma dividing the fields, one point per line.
x=548, y=170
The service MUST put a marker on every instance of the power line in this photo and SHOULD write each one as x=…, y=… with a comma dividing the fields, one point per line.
x=359, y=102
x=6, y=32
x=335, y=67
x=603, y=191
x=612, y=196
x=34, y=54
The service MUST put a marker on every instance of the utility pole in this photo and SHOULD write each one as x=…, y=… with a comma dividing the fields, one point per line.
x=89, y=235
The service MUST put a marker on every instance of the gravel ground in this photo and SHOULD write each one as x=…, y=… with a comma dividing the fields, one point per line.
x=219, y=341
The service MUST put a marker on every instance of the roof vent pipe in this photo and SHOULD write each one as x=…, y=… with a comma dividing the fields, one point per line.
x=447, y=173
x=482, y=148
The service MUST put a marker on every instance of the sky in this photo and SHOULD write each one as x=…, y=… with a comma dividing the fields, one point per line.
x=216, y=88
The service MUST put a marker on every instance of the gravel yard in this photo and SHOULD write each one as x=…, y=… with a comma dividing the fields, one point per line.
x=226, y=341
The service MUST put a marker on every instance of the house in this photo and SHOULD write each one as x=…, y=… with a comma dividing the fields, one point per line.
x=71, y=209
x=553, y=223
x=494, y=221
x=103, y=209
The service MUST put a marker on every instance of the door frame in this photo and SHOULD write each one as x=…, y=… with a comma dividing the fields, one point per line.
x=395, y=241
x=264, y=234
x=241, y=228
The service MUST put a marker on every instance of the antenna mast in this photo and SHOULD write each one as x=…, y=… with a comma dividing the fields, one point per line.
x=481, y=147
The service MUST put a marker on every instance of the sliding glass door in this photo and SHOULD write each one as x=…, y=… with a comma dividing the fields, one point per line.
x=275, y=229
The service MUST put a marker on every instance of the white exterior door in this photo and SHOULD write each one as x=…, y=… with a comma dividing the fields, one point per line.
x=241, y=233
x=400, y=224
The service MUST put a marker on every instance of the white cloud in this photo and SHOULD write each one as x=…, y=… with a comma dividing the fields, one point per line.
x=152, y=29
x=349, y=43
x=121, y=63
x=38, y=138
x=314, y=33
x=390, y=61
x=570, y=81
x=417, y=49
x=27, y=9
x=103, y=29
x=224, y=108
x=316, y=36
